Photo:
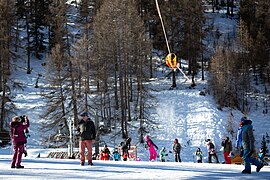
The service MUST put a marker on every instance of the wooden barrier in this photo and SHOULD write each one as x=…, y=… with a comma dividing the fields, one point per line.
x=76, y=155
x=64, y=155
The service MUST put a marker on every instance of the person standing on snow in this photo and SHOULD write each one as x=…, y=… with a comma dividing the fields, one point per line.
x=249, y=147
x=227, y=148
x=116, y=155
x=176, y=149
x=87, y=132
x=211, y=151
x=151, y=146
x=198, y=155
x=163, y=154
x=18, y=137
x=125, y=148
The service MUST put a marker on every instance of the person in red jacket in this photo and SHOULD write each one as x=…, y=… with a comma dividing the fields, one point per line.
x=18, y=137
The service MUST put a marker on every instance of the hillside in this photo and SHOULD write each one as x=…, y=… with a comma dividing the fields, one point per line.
x=181, y=113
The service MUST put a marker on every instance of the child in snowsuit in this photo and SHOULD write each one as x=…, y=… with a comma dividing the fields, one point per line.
x=198, y=155
x=176, y=149
x=151, y=146
x=211, y=151
x=116, y=155
x=163, y=154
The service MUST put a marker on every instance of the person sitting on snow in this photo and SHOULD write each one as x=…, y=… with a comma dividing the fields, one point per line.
x=105, y=153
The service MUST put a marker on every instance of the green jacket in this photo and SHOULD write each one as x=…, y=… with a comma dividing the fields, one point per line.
x=162, y=155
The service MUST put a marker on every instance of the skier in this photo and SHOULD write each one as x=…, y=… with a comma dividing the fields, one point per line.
x=176, y=149
x=211, y=151
x=151, y=146
x=17, y=128
x=163, y=154
x=249, y=147
x=198, y=155
x=227, y=148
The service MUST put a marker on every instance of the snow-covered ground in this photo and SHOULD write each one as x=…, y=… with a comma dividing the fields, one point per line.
x=46, y=168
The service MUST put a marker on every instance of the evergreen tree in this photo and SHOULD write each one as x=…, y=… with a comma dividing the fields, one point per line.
x=39, y=12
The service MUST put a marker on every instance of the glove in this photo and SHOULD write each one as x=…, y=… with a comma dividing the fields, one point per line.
x=241, y=152
x=250, y=153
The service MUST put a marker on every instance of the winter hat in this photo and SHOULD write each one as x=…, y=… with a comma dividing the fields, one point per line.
x=84, y=114
x=16, y=119
x=244, y=118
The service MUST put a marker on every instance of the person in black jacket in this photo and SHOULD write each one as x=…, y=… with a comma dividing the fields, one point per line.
x=87, y=132
x=176, y=149
x=125, y=148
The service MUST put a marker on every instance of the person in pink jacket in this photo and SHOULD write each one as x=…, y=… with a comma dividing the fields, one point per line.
x=18, y=137
x=151, y=146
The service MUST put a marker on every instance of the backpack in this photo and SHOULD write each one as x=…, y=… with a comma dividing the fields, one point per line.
x=238, y=143
x=212, y=146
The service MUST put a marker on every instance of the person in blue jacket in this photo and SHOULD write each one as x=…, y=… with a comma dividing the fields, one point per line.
x=249, y=147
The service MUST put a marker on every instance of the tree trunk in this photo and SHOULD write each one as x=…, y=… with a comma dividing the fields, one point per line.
x=28, y=45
